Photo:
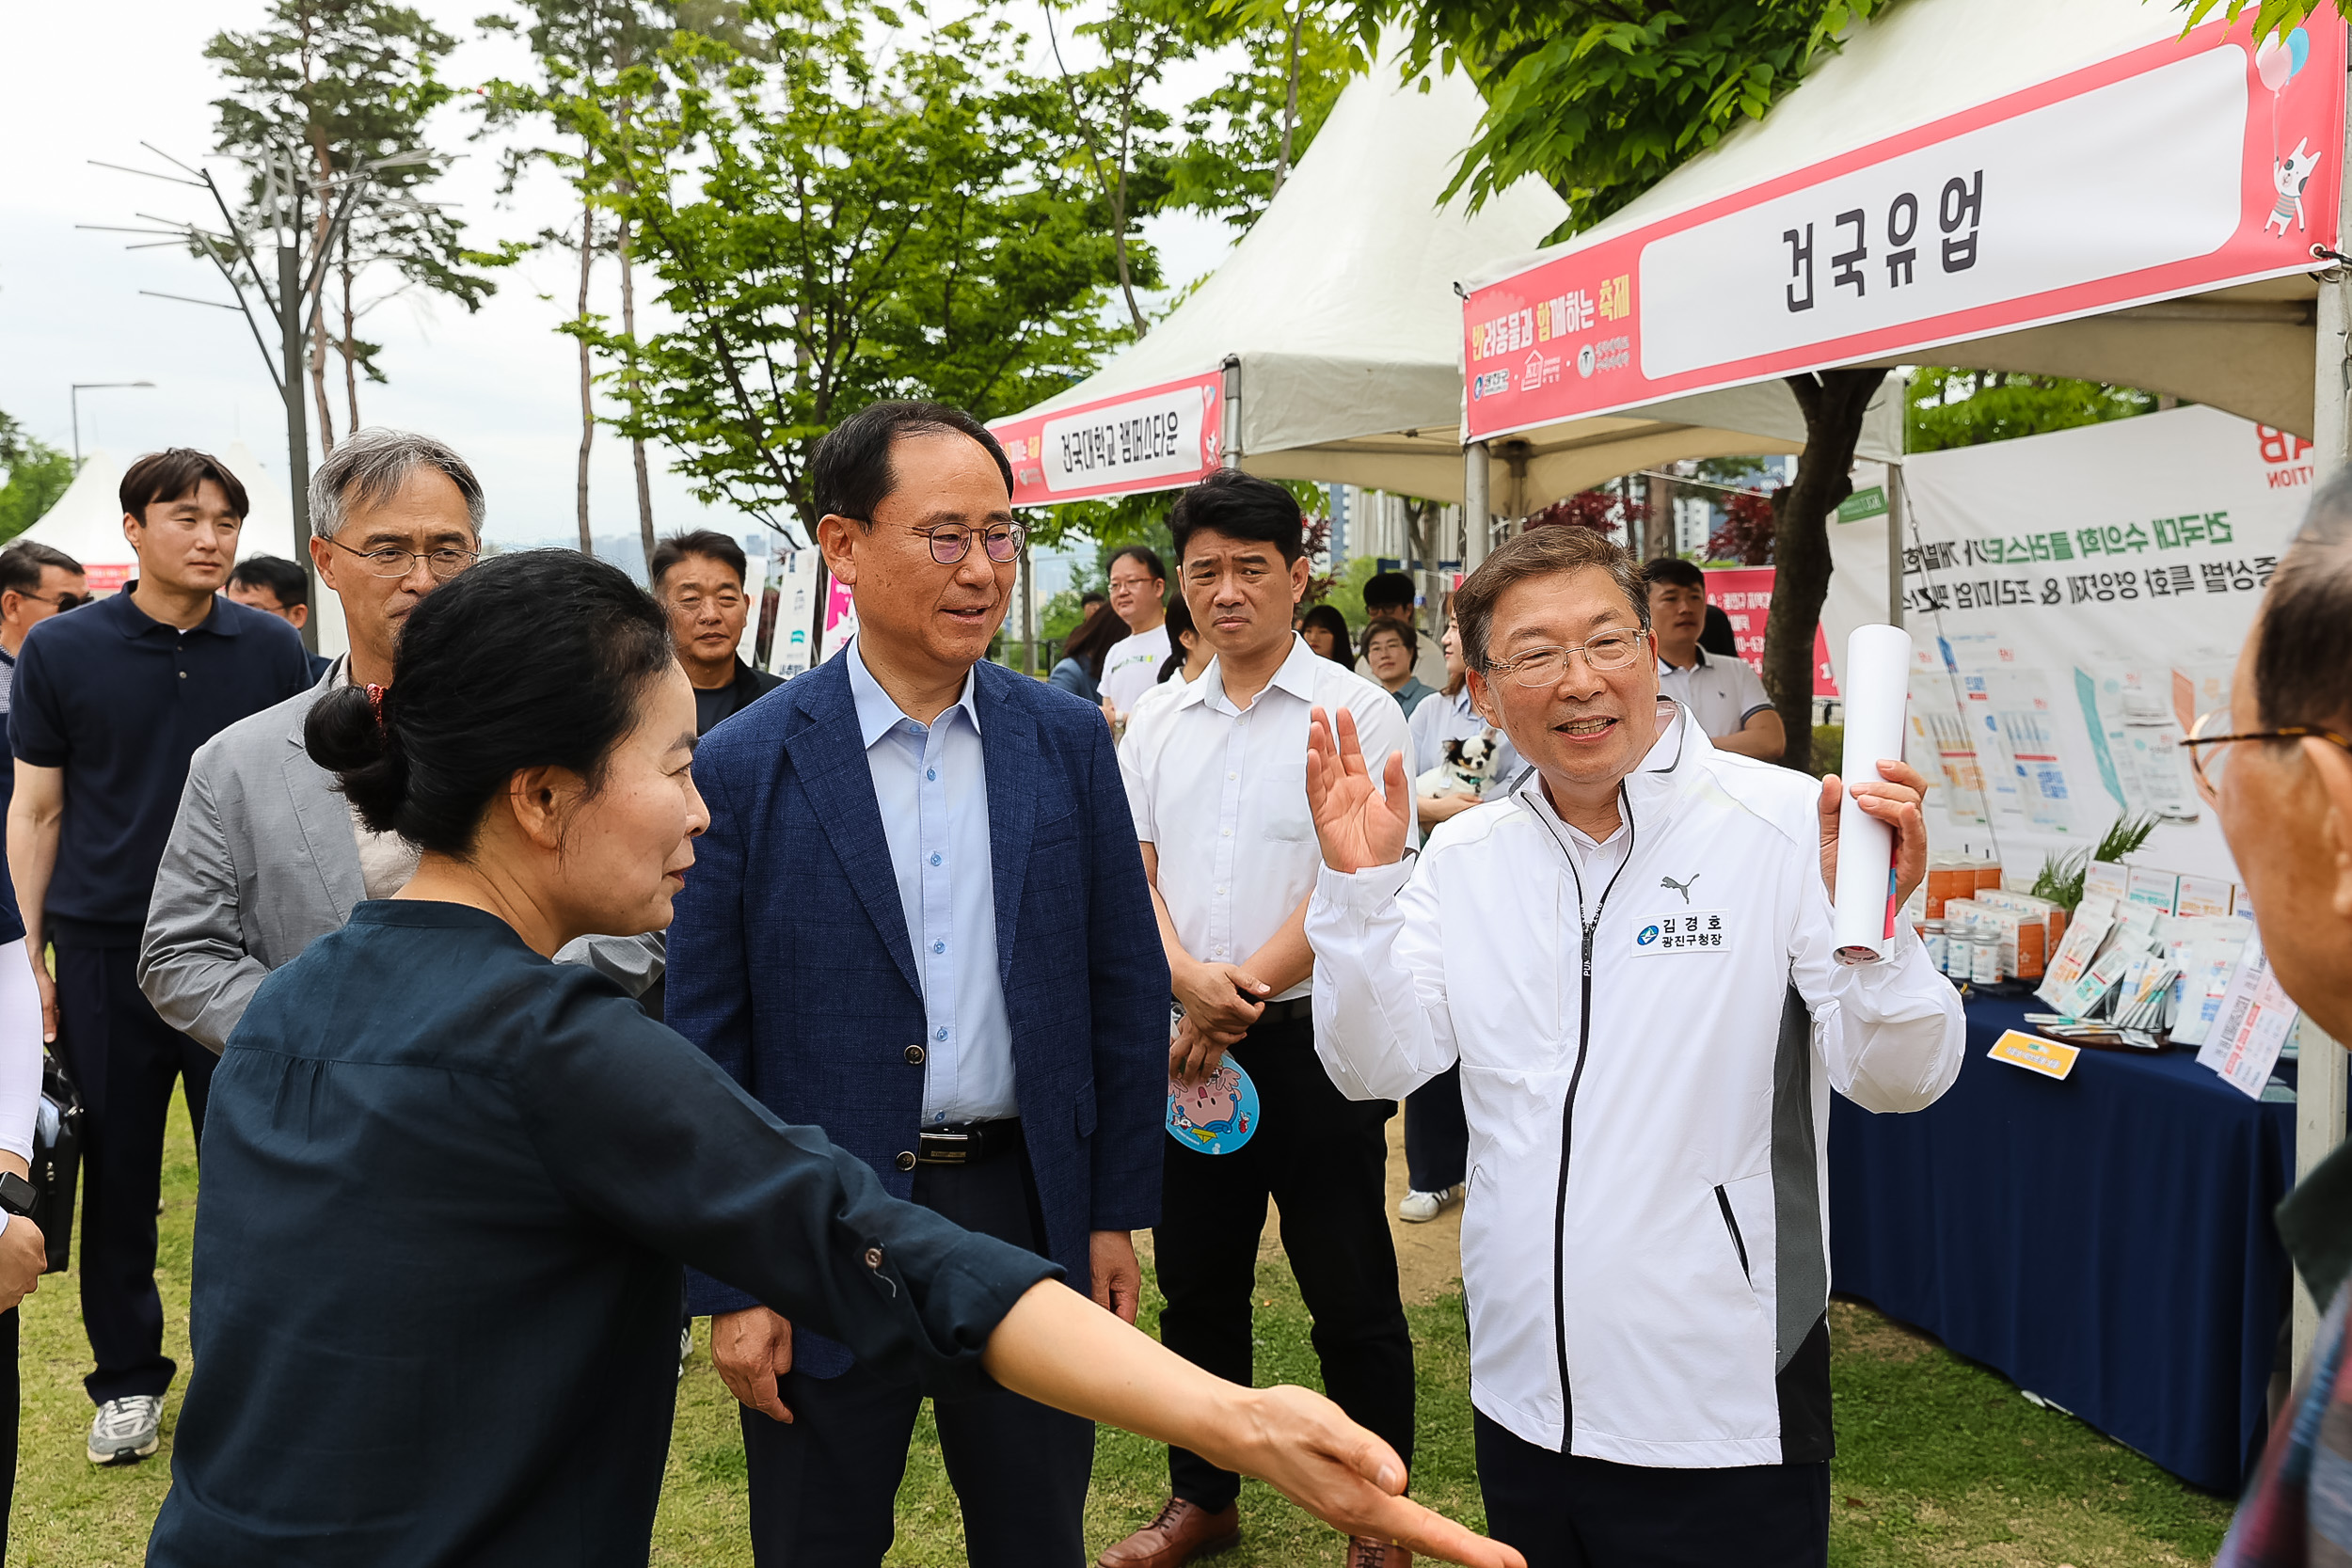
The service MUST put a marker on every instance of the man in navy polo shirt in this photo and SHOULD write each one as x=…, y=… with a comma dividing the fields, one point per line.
x=106, y=707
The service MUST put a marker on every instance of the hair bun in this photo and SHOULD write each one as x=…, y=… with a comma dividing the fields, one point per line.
x=343, y=736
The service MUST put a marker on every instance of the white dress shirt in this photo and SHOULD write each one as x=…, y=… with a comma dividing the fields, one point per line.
x=1132, y=666
x=1220, y=793
x=1723, y=694
x=931, y=783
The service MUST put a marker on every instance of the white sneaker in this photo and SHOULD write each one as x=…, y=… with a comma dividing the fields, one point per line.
x=127, y=1430
x=685, y=1347
x=1418, y=1208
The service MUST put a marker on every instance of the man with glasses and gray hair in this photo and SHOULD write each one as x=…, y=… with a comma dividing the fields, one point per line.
x=918, y=921
x=1631, y=958
x=264, y=855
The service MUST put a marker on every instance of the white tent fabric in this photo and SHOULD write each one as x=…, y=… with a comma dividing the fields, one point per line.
x=2246, y=349
x=1340, y=305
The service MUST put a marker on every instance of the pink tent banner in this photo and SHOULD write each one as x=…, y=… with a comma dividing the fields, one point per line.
x=1159, y=439
x=1744, y=593
x=2184, y=165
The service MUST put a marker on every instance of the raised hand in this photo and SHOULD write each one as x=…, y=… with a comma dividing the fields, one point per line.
x=1358, y=823
x=1894, y=801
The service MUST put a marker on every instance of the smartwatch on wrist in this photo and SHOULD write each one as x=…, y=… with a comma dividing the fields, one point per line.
x=17, y=1196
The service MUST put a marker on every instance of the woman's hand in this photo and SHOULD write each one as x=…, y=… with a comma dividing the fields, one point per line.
x=1059, y=1349
x=1306, y=1447
x=1358, y=824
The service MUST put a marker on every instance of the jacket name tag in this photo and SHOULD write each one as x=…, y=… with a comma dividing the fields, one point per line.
x=1684, y=931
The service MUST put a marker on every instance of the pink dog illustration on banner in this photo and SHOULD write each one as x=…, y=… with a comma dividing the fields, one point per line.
x=1215, y=1116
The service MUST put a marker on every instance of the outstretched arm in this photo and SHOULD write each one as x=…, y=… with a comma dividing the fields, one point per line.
x=1056, y=1348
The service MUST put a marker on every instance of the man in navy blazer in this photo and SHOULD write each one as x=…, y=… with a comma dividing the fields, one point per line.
x=919, y=921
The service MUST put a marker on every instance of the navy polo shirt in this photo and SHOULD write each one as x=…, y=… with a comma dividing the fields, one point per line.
x=121, y=701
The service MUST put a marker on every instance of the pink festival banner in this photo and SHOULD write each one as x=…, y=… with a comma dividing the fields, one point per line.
x=2184, y=165
x=1745, y=594
x=1160, y=438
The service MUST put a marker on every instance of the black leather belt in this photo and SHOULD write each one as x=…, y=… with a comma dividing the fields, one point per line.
x=1298, y=1009
x=969, y=1144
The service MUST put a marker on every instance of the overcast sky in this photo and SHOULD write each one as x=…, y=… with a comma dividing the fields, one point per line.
x=501, y=386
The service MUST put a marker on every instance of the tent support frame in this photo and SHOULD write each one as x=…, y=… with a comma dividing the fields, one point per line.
x=1477, y=508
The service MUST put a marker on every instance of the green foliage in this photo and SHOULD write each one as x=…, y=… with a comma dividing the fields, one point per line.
x=339, y=86
x=856, y=204
x=1964, y=408
x=1227, y=162
x=1347, y=591
x=2271, y=16
x=38, y=474
x=1601, y=98
x=2060, y=878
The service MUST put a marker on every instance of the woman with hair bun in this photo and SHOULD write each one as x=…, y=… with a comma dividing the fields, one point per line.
x=448, y=1184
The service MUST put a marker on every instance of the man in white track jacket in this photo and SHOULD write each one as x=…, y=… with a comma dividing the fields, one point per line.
x=1630, y=957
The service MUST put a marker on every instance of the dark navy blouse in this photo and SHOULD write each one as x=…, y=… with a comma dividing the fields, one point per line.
x=447, y=1187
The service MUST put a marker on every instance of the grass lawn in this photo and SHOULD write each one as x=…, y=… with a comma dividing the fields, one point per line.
x=1940, y=1462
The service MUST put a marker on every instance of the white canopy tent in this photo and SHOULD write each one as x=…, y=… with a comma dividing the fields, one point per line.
x=85, y=522
x=1327, y=347
x=2131, y=179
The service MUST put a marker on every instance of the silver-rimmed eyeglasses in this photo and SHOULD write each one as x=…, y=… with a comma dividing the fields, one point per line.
x=1612, y=649
x=393, y=562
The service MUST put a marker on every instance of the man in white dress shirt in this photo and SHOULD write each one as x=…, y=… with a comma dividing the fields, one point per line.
x=1723, y=694
x=1632, y=961
x=1218, y=786
x=1139, y=594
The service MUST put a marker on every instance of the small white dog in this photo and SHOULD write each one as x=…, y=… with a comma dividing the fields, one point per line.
x=1467, y=766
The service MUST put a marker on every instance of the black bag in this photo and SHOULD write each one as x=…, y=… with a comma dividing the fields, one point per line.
x=56, y=1162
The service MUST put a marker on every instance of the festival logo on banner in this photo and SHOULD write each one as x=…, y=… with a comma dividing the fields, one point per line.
x=1158, y=440
x=2186, y=165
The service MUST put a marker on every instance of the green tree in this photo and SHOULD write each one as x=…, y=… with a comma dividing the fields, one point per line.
x=581, y=48
x=38, y=474
x=1601, y=100
x=343, y=88
x=1948, y=408
x=839, y=212
x=1242, y=138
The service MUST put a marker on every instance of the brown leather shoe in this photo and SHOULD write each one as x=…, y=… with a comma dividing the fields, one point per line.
x=1185, y=1532
x=1364, y=1552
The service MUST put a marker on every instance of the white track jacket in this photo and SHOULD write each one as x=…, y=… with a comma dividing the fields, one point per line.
x=1645, y=1069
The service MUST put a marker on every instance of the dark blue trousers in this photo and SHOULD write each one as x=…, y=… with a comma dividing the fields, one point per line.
x=1565, y=1512
x=124, y=1059
x=824, y=1485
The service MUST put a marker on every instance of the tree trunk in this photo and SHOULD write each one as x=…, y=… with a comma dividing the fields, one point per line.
x=1660, y=528
x=320, y=236
x=636, y=444
x=1290, y=105
x=587, y=376
x=351, y=347
x=1832, y=402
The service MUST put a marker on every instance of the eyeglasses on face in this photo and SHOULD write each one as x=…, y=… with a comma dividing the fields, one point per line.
x=1002, y=541
x=62, y=602
x=1614, y=649
x=2210, y=737
x=393, y=562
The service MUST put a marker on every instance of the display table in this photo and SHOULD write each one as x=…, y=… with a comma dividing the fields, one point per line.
x=2105, y=1242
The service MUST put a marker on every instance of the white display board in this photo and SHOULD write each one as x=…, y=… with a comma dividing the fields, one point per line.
x=2075, y=601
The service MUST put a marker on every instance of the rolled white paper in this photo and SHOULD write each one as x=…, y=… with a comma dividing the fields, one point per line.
x=1876, y=681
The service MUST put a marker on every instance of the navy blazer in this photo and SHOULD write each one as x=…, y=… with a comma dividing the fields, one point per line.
x=789, y=960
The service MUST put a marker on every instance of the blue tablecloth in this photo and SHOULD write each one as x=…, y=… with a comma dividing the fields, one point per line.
x=2105, y=1242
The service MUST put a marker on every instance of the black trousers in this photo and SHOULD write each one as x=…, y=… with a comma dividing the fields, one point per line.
x=823, y=1486
x=1565, y=1511
x=10, y=1391
x=1436, y=1138
x=1322, y=1158
x=125, y=1060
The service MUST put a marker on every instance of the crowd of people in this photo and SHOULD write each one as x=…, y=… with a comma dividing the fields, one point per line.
x=541, y=977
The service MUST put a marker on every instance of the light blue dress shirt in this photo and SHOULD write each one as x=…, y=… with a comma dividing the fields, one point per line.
x=931, y=783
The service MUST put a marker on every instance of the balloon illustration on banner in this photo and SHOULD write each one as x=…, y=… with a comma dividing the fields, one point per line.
x=2278, y=60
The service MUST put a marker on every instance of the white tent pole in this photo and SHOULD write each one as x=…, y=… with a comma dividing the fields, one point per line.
x=1476, y=510
x=1896, y=500
x=2320, y=1076
x=1230, y=428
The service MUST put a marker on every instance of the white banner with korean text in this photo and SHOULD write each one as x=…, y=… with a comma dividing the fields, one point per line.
x=2075, y=601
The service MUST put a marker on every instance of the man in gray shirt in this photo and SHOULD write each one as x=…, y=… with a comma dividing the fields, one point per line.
x=264, y=855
